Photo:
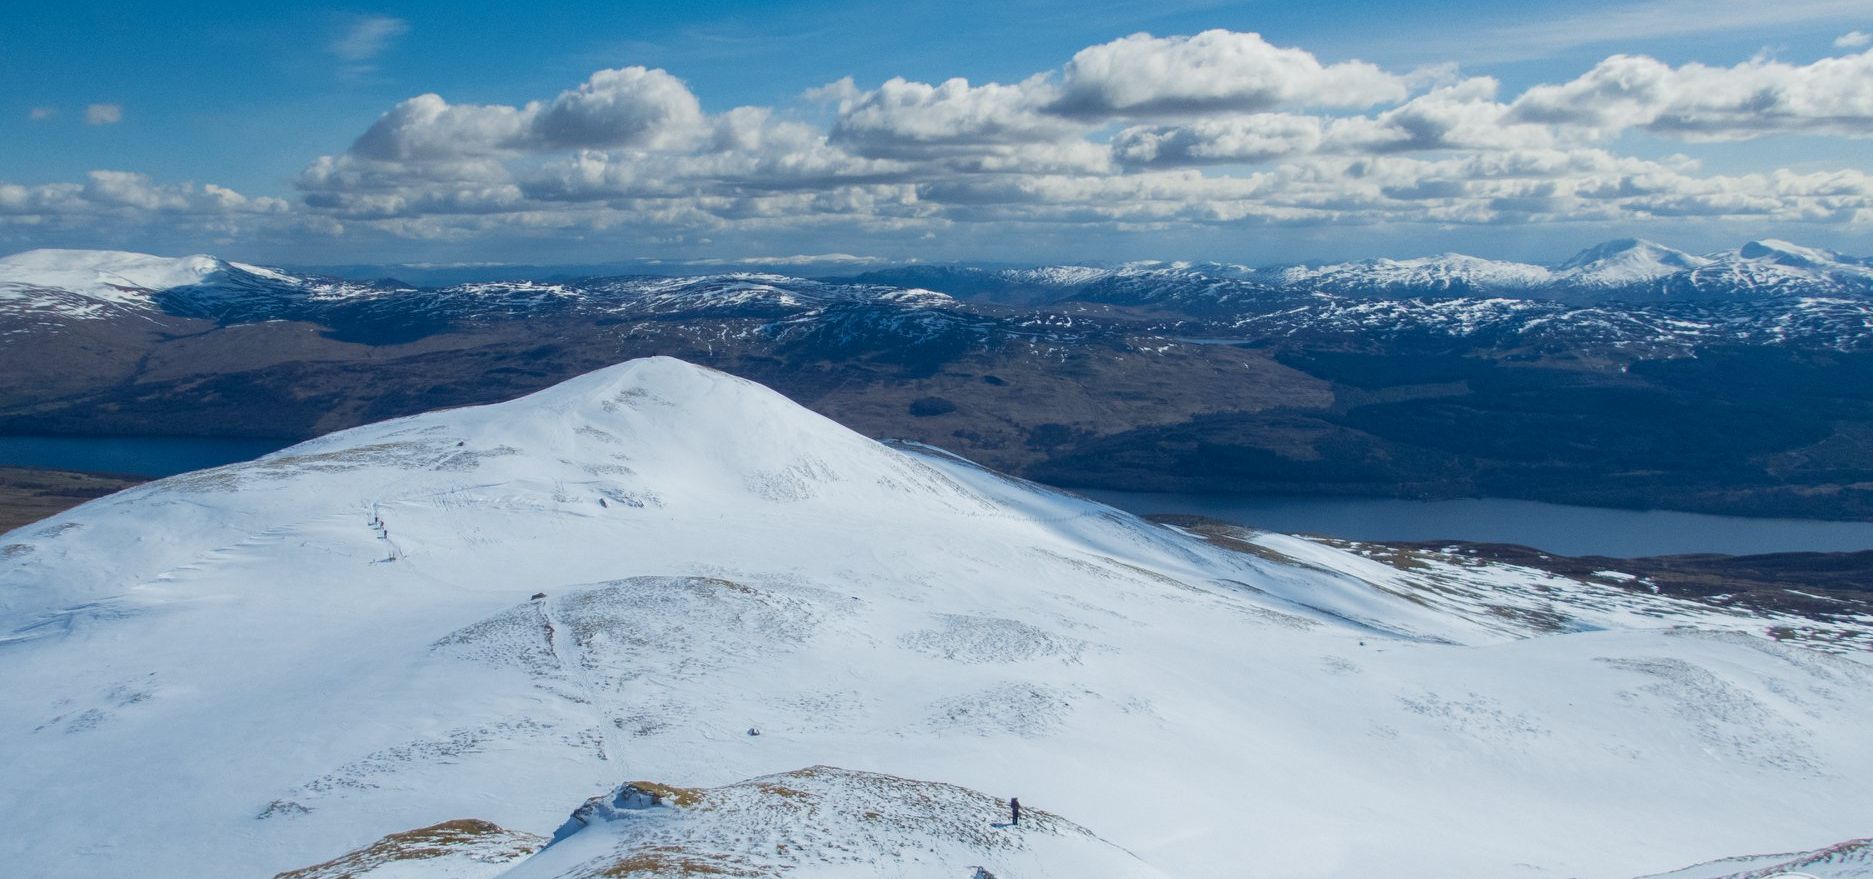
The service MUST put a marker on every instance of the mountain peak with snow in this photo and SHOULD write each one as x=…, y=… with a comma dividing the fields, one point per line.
x=1788, y=253
x=116, y=274
x=1448, y=274
x=1624, y=263
x=661, y=571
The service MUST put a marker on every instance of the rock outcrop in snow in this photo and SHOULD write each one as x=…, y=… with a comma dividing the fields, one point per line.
x=461, y=849
x=1852, y=859
x=822, y=819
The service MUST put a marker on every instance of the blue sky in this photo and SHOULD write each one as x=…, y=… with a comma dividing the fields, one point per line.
x=248, y=97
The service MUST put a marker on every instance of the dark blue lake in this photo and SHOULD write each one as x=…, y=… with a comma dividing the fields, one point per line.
x=1556, y=528
x=138, y=455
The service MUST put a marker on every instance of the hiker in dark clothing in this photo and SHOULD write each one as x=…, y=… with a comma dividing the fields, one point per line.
x=1014, y=806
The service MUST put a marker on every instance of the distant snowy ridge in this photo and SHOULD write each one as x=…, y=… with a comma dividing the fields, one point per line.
x=118, y=276
x=1629, y=270
x=1452, y=274
x=101, y=284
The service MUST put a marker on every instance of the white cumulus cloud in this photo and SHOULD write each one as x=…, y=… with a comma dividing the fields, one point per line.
x=1756, y=98
x=1145, y=134
x=1214, y=71
x=631, y=106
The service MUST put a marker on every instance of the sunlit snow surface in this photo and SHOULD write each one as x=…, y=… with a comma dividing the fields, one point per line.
x=260, y=667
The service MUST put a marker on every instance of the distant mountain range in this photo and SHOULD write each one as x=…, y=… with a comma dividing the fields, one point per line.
x=1628, y=270
x=1630, y=375
x=1632, y=271
x=1764, y=288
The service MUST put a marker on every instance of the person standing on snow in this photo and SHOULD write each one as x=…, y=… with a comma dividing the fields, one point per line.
x=1014, y=807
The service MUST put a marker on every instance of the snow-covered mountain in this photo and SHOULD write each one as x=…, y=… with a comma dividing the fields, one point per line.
x=103, y=284
x=1629, y=270
x=1625, y=263
x=1764, y=292
x=99, y=284
x=756, y=643
x=1449, y=275
x=1626, y=270
x=118, y=276
x=96, y=283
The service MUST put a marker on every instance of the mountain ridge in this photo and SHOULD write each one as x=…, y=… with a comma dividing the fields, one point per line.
x=1165, y=377
x=498, y=611
x=1622, y=270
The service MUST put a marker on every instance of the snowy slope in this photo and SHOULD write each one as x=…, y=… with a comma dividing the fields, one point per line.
x=1624, y=263
x=820, y=820
x=1451, y=274
x=113, y=275
x=823, y=820
x=100, y=283
x=1772, y=268
x=104, y=284
x=1852, y=859
x=298, y=656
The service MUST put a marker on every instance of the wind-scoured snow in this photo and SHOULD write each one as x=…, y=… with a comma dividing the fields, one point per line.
x=821, y=820
x=1852, y=859
x=261, y=667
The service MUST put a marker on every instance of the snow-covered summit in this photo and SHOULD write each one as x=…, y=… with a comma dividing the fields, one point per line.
x=95, y=284
x=1628, y=270
x=823, y=818
x=496, y=612
x=1624, y=263
x=1452, y=274
x=1789, y=254
x=117, y=275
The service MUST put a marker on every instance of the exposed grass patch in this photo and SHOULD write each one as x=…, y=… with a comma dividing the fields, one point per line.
x=673, y=860
x=474, y=838
x=681, y=797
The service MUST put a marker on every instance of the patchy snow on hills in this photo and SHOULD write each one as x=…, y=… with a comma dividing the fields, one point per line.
x=1452, y=274
x=1631, y=294
x=96, y=285
x=492, y=614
